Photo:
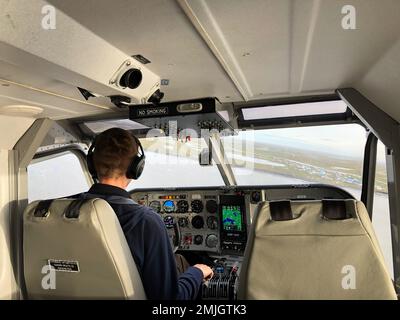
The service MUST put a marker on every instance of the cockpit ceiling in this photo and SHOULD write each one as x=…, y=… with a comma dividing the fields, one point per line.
x=247, y=50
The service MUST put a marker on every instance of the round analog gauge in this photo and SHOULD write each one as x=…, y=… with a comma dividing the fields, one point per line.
x=198, y=222
x=211, y=206
x=211, y=241
x=212, y=223
x=183, y=222
x=156, y=206
x=197, y=206
x=169, y=206
x=182, y=206
x=169, y=222
x=198, y=239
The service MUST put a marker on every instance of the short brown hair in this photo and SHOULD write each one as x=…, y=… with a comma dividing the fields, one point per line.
x=113, y=153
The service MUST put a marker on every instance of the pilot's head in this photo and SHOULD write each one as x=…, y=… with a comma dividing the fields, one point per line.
x=116, y=157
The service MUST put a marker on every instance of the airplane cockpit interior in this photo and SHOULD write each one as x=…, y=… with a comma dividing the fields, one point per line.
x=270, y=133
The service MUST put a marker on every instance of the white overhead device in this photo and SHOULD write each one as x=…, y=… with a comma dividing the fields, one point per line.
x=40, y=39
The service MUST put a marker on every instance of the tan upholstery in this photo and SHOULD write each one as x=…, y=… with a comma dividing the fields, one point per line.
x=304, y=258
x=94, y=240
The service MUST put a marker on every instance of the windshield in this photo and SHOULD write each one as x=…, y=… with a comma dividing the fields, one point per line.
x=172, y=163
x=322, y=154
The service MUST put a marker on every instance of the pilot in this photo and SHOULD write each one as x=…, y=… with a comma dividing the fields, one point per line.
x=116, y=160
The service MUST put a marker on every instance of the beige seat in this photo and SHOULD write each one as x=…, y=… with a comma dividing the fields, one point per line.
x=313, y=250
x=83, y=242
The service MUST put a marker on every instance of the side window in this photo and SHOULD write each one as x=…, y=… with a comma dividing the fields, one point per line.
x=381, y=213
x=56, y=176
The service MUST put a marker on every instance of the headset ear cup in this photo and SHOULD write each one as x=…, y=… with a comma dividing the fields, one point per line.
x=139, y=168
x=136, y=168
x=90, y=165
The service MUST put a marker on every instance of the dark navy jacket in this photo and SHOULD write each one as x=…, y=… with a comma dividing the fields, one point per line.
x=148, y=240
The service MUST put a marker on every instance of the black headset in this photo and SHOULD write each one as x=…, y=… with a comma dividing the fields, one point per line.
x=135, y=168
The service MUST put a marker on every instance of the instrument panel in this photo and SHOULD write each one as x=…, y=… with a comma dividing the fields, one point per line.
x=217, y=220
x=196, y=214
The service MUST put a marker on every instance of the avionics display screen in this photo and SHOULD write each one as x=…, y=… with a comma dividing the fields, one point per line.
x=232, y=217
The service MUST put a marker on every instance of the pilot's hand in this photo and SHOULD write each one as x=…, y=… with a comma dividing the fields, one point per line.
x=207, y=271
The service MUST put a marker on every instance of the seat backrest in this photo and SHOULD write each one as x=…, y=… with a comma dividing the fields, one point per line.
x=313, y=250
x=84, y=244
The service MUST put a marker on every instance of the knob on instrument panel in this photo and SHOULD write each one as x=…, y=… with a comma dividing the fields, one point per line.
x=255, y=196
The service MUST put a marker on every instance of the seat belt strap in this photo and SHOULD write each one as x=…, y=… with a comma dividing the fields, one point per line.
x=42, y=209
